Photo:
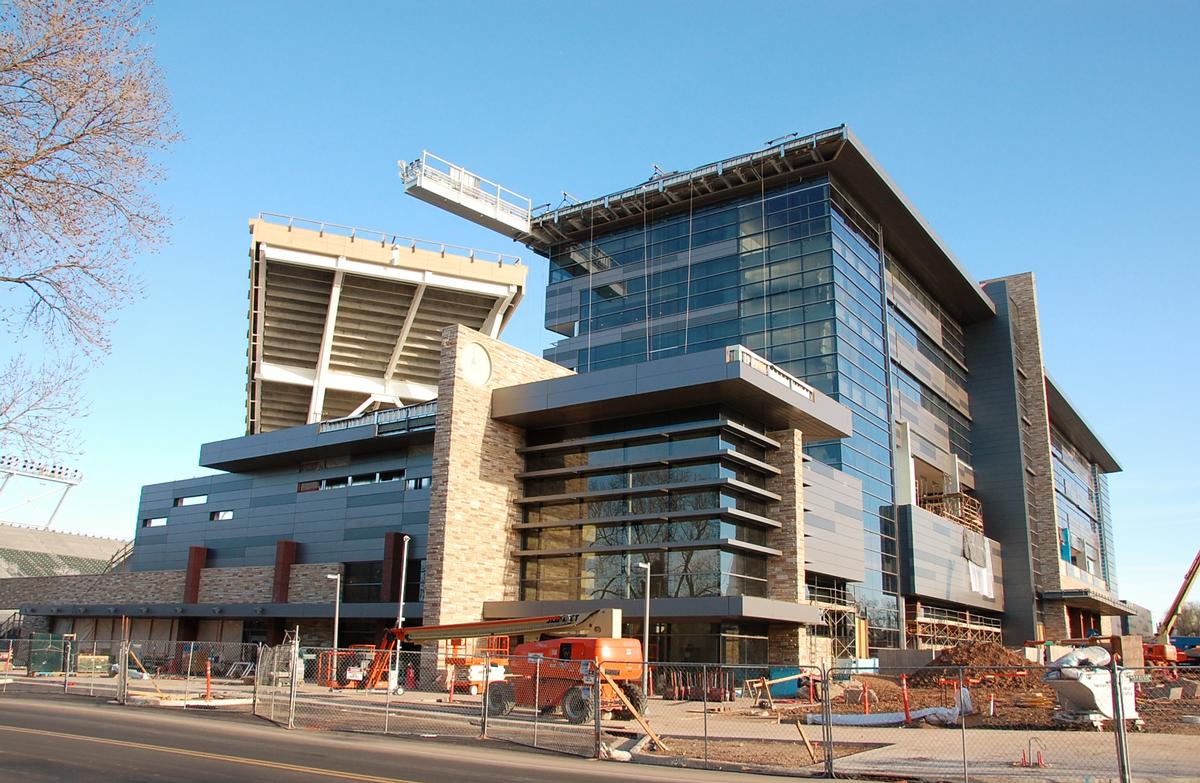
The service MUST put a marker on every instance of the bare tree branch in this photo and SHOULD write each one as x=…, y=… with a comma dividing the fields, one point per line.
x=83, y=114
x=37, y=408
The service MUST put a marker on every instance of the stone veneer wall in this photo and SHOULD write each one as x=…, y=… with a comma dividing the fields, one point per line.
x=308, y=584
x=243, y=585
x=787, y=644
x=470, y=556
x=138, y=587
x=1035, y=436
x=236, y=585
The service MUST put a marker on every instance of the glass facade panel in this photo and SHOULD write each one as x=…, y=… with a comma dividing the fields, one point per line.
x=688, y=560
x=1081, y=508
x=800, y=279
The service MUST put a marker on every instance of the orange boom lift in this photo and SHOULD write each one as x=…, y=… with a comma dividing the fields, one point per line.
x=560, y=673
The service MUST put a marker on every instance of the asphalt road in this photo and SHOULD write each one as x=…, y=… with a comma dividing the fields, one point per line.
x=48, y=740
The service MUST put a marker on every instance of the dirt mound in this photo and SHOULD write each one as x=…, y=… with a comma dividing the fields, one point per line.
x=999, y=665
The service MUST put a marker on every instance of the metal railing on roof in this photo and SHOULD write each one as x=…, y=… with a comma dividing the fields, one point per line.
x=387, y=239
x=740, y=353
x=664, y=182
x=442, y=171
x=386, y=416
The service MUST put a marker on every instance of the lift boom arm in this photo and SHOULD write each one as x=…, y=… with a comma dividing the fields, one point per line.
x=514, y=627
x=1168, y=622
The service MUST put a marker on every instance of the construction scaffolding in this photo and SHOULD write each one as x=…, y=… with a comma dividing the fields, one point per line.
x=956, y=506
x=935, y=627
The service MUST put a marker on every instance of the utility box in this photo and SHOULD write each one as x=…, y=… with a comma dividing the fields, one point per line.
x=92, y=664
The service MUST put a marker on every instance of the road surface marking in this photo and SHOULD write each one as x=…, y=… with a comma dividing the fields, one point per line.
x=333, y=773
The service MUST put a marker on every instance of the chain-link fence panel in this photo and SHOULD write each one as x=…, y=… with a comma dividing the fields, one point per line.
x=274, y=676
x=729, y=717
x=191, y=674
x=995, y=722
x=161, y=673
x=62, y=665
x=436, y=697
x=1031, y=721
x=1162, y=712
x=869, y=715
x=545, y=701
x=371, y=689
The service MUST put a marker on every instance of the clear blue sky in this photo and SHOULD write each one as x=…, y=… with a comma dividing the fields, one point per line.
x=1053, y=137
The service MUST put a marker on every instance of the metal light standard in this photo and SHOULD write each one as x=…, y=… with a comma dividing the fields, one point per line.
x=337, y=607
x=646, y=633
x=400, y=610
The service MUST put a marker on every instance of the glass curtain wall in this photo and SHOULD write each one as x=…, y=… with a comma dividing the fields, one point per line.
x=1077, y=505
x=795, y=273
x=684, y=497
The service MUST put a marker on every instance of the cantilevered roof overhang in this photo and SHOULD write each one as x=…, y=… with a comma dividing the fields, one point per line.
x=733, y=377
x=345, y=321
x=732, y=606
x=1090, y=600
x=837, y=152
x=1067, y=419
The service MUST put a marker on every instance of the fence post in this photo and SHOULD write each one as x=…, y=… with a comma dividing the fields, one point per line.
x=962, y=722
x=258, y=659
x=92, y=679
x=66, y=665
x=537, y=695
x=387, y=701
x=123, y=674
x=487, y=679
x=187, y=672
x=597, y=726
x=272, y=683
x=296, y=667
x=704, y=700
x=827, y=718
x=1114, y=675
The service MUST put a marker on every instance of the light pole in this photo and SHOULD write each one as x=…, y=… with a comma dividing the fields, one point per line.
x=337, y=607
x=403, y=581
x=646, y=633
x=400, y=610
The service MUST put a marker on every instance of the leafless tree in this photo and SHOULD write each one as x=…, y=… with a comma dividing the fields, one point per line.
x=83, y=115
x=1188, y=623
x=38, y=405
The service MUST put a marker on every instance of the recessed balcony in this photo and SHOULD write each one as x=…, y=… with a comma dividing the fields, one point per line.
x=957, y=507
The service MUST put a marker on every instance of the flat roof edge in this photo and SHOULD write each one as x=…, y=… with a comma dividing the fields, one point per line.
x=836, y=151
x=1068, y=419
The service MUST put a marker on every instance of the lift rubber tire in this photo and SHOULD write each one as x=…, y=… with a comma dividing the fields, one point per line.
x=637, y=697
x=576, y=707
x=501, y=699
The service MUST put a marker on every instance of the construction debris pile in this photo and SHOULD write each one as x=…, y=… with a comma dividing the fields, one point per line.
x=1008, y=666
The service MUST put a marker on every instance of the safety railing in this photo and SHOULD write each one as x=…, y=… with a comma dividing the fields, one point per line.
x=387, y=239
x=441, y=171
x=740, y=353
x=937, y=613
x=387, y=416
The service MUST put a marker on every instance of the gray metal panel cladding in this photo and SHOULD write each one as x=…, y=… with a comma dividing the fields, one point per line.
x=932, y=562
x=996, y=456
x=331, y=525
x=833, y=523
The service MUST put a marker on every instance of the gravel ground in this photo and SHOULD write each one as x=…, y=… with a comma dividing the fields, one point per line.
x=769, y=753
